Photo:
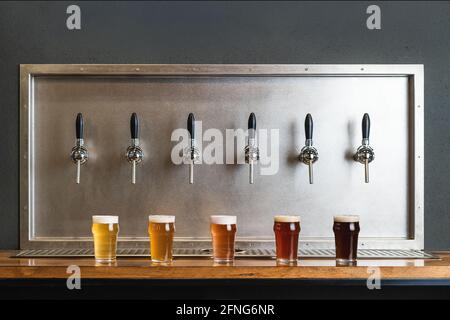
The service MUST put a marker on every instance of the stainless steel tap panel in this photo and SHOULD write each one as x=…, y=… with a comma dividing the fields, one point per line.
x=56, y=212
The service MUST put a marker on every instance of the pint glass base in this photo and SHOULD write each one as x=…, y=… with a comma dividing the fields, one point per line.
x=105, y=260
x=345, y=262
x=223, y=260
x=167, y=261
x=286, y=261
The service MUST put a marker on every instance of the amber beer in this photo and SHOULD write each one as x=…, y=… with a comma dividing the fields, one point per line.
x=346, y=230
x=287, y=229
x=223, y=232
x=105, y=230
x=161, y=229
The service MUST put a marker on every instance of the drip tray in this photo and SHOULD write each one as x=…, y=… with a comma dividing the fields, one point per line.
x=250, y=253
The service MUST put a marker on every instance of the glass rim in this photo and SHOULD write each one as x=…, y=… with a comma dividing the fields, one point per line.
x=105, y=219
x=346, y=218
x=161, y=218
x=223, y=219
x=286, y=218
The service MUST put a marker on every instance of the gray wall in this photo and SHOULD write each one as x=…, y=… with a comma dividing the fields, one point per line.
x=238, y=32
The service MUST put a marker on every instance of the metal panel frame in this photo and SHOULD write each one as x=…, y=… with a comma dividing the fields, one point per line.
x=258, y=253
x=28, y=72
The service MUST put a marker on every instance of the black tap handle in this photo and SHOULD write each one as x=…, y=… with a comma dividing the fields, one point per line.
x=134, y=126
x=191, y=125
x=252, y=121
x=79, y=126
x=251, y=126
x=366, y=126
x=308, y=127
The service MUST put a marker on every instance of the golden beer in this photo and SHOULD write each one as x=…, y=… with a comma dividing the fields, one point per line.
x=223, y=232
x=105, y=230
x=161, y=230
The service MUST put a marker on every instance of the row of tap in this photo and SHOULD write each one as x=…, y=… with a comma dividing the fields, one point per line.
x=308, y=154
x=80, y=154
x=364, y=154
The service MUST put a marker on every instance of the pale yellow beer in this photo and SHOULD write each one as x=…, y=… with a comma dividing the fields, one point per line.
x=161, y=229
x=223, y=232
x=105, y=230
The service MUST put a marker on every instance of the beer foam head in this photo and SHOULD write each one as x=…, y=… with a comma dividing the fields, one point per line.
x=284, y=218
x=161, y=218
x=222, y=219
x=346, y=218
x=105, y=219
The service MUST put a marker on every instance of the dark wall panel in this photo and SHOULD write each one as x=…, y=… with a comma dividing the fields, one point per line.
x=231, y=32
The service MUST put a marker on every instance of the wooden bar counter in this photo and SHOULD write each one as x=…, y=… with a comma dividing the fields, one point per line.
x=203, y=268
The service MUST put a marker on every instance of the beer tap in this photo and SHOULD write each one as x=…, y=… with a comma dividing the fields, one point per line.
x=308, y=154
x=365, y=153
x=134, y=152
x=79, y=153
x=191, y=153
x=251, y=150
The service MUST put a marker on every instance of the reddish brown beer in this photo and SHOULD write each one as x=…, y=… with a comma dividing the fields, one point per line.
x=287, y=229
x=223, y=232
x=346, y=230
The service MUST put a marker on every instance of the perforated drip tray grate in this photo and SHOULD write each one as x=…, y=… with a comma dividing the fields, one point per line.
x=250, y=253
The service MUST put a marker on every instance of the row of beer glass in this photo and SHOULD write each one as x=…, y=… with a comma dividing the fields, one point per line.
x=161, y=229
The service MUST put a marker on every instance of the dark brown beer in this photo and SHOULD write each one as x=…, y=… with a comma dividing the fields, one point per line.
x=346, y=230
x=287, y=229
x=223, y=232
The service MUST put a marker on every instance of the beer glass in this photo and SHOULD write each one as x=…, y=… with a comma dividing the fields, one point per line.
x=161, y=229
x=105, y=230
x=223, y=232
x=346, y=230
x=287, y=229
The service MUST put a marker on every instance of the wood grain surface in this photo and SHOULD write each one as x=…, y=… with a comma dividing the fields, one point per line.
x=201, y=268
